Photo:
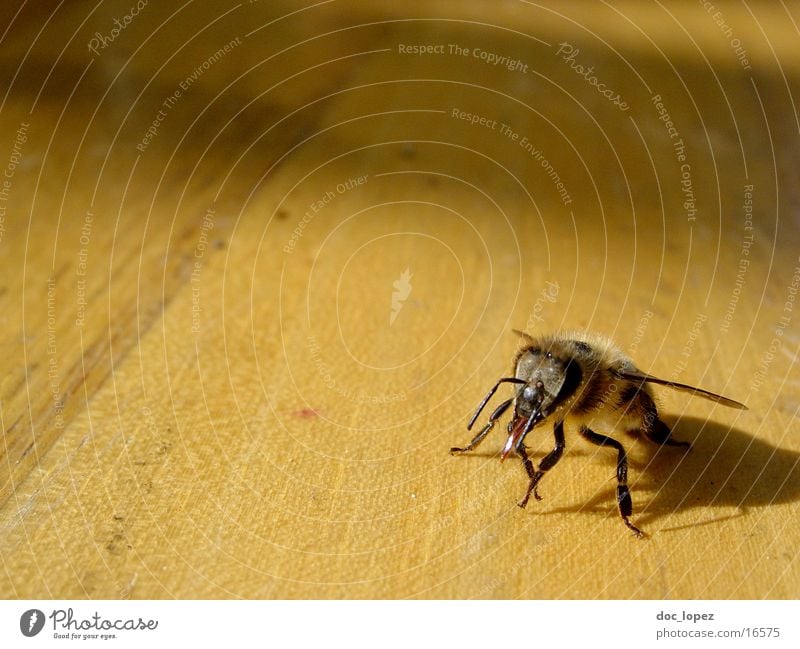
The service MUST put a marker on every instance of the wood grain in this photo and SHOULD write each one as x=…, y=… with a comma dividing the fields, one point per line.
x=218, y=383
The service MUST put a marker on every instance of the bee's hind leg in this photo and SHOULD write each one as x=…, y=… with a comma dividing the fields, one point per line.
x=623, y=493
x=660, y=433
x=656, y=430
x=547, y=463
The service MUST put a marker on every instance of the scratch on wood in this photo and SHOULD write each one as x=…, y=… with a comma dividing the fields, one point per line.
x=125, y=592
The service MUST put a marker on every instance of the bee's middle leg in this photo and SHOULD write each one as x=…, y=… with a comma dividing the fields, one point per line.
x=547, y=463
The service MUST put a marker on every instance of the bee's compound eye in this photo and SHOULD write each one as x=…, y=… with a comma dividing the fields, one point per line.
x=528, y=393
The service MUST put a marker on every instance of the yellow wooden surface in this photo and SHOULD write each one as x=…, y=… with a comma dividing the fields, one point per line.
x=203, y=391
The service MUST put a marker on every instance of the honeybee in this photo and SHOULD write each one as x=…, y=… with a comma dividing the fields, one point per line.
x=587, y=382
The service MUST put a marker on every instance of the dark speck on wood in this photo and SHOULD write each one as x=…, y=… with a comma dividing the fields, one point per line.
x=306, y=413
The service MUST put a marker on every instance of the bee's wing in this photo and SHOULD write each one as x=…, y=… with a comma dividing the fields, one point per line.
x=641, y=377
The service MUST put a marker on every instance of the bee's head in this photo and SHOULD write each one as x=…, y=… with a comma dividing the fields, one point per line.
x=545, y=375
x=530, y=397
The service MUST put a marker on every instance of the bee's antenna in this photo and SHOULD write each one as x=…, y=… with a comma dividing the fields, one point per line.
x=482, y=405
x=523, y=334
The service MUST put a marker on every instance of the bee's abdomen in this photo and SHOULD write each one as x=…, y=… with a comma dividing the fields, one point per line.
x=627, y=395
x=636, y=403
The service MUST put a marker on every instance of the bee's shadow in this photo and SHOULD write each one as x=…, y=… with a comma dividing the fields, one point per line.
x=726, y=467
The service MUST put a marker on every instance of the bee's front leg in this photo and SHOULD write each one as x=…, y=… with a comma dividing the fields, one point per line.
x=485, y=430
